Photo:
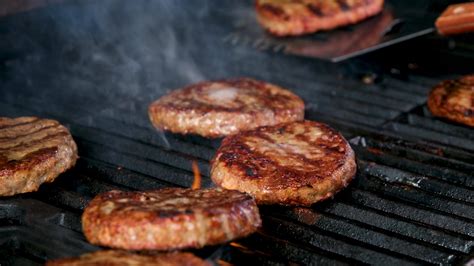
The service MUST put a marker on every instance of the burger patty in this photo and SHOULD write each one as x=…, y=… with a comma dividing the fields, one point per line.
x=170, y=218
x=124, y=258
x=298, y=163
x=454, y=100
x=33, y=151
x=218, y=108
x=297, y=17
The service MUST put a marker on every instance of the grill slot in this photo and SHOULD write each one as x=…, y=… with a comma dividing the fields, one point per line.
x=103, y=146
x=352, y=231
x=400, y=227
x=135, y=148
x=67, y=220
x=305, y=236
x=432, y=136
x=241, y=256
x=415, y=196
x=435, y=157
x=407, y=211
x=292, y=252
x=392, y=175
x=439, y=126
x=164, y=173
x=429, y=168
x=117, y=175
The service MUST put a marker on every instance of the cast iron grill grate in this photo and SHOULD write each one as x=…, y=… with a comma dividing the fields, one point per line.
x=411, y=202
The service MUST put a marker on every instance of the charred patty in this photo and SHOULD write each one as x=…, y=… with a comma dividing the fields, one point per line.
x=298, y=163
x=220, y=108
x=170, y=218
x=297, y=17
x=124, y=258
x=33, y=151
x=454, y=100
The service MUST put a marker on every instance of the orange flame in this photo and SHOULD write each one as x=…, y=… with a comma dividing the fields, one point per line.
x=223, y=263
x=197, y=176
x=237, y=245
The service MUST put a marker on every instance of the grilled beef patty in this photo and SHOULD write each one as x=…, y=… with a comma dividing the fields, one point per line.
x=454, y=100
x=298, y=163
x=124, y=258
x=33, y=151
x=296, y=17
x=219, y=108
x=170, y=218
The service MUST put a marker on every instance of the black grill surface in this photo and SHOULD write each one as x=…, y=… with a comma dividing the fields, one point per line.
x=96, y=66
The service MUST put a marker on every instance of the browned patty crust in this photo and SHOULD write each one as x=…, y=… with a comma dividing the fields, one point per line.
x=297, y=17
x=219, y=108
x=124, y=258
x=298, y=163
x=170, y=218
x=454, y=100
x=33, y=151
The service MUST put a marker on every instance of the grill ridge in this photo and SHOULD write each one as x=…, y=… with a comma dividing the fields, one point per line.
x=410, y=203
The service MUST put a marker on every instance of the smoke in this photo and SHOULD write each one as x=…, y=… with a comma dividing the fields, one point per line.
x=114, y=50
x=125, y=54
x=135, y=47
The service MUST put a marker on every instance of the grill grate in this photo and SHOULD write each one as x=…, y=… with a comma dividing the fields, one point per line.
x=411, y=202
x=408, y=204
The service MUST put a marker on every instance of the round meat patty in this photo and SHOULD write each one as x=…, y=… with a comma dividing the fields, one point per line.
x=219, y=108
x=170, y=218
x=454, y=100
x=33, y=151
x=298, y=163
x=124, y=258
x=297, y=17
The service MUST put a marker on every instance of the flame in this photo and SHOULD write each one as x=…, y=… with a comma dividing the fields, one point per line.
x=237, y=245
x=197, y=176
x=223, y=263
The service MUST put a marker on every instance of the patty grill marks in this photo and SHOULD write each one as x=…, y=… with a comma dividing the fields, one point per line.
x=296, y=17
x=25, y=129
x=218, y=108
x=33, y=151
x=33, y=143
x=300, y=148
x=170, y=218
x=47, y=134
x=7, y=123
x=454, y=100
x=35, y=137
x=331, y=7
x=297, y=163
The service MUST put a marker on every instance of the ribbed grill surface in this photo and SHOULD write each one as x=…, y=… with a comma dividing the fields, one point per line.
x=412, y=201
